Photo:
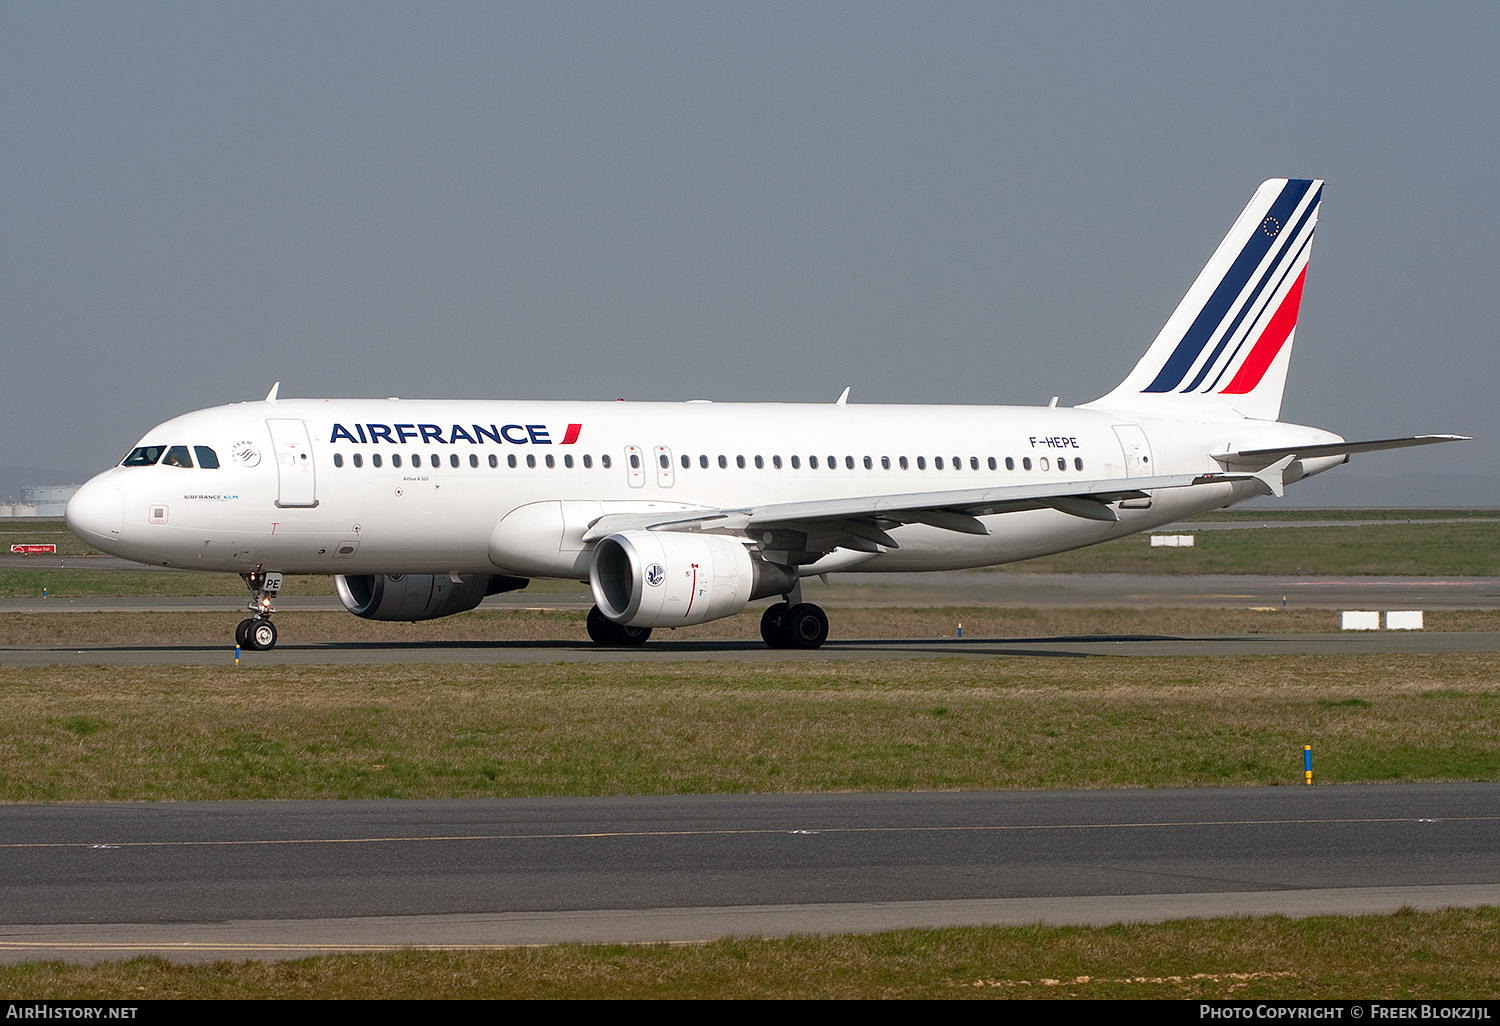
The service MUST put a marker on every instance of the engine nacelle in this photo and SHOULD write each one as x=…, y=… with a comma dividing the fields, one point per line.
x=671, y=579
x=419, y=596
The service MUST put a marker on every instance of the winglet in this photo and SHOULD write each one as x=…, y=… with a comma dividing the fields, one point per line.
x=271, y=395
x=843, y=398
x=1274, y=476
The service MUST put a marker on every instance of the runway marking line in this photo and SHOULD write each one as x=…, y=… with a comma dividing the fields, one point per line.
x=595, y=835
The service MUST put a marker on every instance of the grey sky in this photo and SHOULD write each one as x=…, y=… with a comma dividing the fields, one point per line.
x=929, y=202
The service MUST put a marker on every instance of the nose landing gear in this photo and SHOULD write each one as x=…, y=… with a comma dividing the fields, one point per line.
x=258, y=633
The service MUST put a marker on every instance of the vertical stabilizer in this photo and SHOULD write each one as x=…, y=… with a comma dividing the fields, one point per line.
x=1228, y=343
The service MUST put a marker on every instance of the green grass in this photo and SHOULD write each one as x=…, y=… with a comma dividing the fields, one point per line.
x=1429, y=550
x=200, y=733
x=1274, y=514
x=80, y=582
x=1465, y=549
x=40, y=531
x=1452, y=954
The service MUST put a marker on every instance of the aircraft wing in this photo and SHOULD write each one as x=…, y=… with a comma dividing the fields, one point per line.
x=867, y=517
x=1259, y=456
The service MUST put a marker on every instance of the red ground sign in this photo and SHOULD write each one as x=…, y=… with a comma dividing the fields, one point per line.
x=32, y=550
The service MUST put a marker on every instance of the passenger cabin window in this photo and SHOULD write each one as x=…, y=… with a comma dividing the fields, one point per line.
x=177, y=456
x=687, y=461
x=396, y=459
x=1010, y=463
x=338, y=459
x=207, y=458
x=359, y=460
x=568, y=462
x=375, y=459
x=776, y=462
x=723, y=462
x=921, y=462
x=495, y=461
x=510, y=461
x=605, y=461
x=588, y=461
x=902, y=461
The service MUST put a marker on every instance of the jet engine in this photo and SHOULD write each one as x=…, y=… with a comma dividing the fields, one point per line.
x=675, y=579
x=419, y=596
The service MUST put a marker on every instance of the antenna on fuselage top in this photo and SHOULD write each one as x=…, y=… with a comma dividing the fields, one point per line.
x=271, y=395
x=843, y=398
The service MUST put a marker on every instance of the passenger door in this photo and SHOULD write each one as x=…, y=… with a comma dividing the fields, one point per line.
x=294, y=464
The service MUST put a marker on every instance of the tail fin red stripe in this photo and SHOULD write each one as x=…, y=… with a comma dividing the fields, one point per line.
x=1270, y=342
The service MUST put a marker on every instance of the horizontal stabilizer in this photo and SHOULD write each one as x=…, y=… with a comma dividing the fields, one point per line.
x=1268, y=456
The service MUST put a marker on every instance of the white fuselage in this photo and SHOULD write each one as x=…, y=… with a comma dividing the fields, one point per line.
x=510, y=487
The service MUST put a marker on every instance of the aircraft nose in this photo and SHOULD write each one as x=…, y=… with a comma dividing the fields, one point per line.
x=96, y=514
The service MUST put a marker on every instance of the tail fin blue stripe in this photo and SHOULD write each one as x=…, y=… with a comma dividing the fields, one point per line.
x=1271, y=271
x=1286, y=272
x=1228, y=290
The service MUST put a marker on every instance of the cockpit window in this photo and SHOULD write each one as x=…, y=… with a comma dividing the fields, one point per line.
x=207, y=458
x=144, y=456
x=177, y=456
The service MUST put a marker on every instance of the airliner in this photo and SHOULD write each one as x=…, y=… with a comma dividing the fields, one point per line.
x=679, y=513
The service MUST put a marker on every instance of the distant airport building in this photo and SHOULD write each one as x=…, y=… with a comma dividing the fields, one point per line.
x=49, y=501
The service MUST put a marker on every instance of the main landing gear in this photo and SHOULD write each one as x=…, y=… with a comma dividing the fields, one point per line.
x=784, y=625
x=258, y=633
x=794, y=625
x=604, y=631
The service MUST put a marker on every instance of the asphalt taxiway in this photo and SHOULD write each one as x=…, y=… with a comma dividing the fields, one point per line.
x=987, y=588
x=289, y=653
x=203, y=881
